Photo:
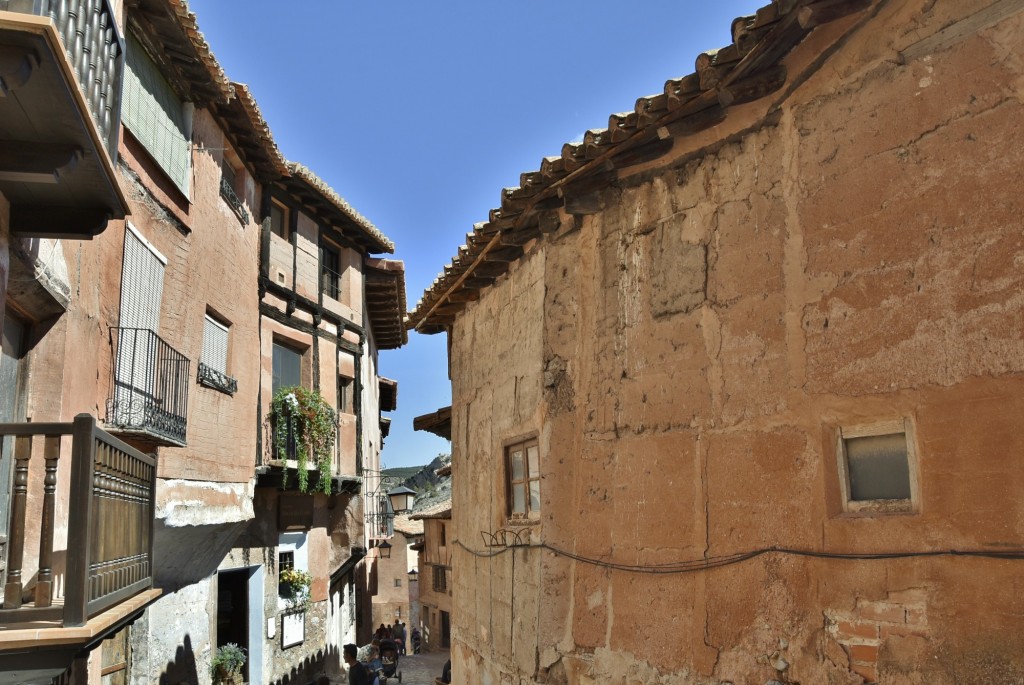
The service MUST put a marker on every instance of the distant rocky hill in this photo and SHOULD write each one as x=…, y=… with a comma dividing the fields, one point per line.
x=430, y=488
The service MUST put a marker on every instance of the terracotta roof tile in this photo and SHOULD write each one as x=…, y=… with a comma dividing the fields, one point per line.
x=187, y=21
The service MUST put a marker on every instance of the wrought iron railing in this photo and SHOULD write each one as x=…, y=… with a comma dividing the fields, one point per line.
x=95, y=48
x=212, y=378
x=110, y=493
x=231, y=197
x=149, y=385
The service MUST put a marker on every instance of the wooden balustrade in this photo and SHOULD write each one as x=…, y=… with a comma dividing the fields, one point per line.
x=111, y=495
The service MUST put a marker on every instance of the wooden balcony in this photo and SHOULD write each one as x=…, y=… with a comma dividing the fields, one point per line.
x=61, y=75
x=69, y=583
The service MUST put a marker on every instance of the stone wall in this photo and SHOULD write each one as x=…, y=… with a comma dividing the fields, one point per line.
x=688, y=357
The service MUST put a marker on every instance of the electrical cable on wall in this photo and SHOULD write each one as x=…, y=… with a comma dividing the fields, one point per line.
x=694, y=565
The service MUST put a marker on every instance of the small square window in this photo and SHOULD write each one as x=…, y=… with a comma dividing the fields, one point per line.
x=398, y=582
x=876, y=465
x=522, y=469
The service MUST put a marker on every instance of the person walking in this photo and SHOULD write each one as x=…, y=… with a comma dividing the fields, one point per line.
x=357, y=674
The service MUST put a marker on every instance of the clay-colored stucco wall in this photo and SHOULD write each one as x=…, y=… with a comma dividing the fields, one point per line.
x=686, y=356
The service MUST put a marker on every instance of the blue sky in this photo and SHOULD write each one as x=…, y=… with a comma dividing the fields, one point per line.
x=419, y=113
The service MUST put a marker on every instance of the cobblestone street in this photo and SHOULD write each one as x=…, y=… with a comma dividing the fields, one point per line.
x=421, y=669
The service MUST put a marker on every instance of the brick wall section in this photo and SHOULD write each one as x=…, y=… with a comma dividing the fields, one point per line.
x=863, y=631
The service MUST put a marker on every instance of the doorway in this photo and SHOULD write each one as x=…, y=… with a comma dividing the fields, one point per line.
x=446, y=630
x=233, y=611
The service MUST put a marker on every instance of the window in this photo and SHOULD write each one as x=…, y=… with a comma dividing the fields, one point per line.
x=229, y=189
x=523, y=473
x=137, y=381
x=293, y=553
x=329, y=267
x=279, y=219
x=345, y=395
x=287, y=367
x=443, y=538
x=213, y=363
x=440, y=582
x=285, y=560
x=876, y=467
x=398, y=582
x=156, y=116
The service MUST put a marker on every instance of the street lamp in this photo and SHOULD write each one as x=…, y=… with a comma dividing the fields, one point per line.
x=413, y=575
x=384, y=550
x=401, y=499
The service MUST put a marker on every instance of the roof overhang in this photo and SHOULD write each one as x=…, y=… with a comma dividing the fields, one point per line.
x=570, y=185
x=332, y=208
x=385, y=301
x=439, y=423
x=388, y=393
x=250, y=134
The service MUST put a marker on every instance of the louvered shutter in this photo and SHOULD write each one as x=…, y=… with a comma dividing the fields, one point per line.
x=142, y=282
x=215, y=345
x=155, y=116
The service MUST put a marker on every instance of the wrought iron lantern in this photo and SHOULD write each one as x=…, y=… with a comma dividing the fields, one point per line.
x=401, y=499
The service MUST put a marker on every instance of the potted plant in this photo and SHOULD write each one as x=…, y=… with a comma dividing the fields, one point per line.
x=294, y=586
x=226, y=666
x=301, y=419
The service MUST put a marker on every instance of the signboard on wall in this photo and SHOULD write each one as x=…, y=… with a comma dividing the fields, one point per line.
x=293, y=629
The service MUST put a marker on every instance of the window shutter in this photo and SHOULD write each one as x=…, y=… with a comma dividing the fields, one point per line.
x=142, y=282
x=155, y=115
x=215, y=345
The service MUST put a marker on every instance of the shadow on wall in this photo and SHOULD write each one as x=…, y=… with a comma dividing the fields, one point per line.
x=180, y=562
x=181, y=671
x=313, y=669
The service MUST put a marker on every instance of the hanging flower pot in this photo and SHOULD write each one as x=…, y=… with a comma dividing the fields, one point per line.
x=304, y=427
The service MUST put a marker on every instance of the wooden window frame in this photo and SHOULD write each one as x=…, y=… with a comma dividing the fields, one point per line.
x=286, y=229
x=528, y=515
x=439, y=579
x=330, y=272
x=909, y=505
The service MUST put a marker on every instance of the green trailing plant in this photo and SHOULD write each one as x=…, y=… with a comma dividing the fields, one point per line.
x=294, y=585
x=304, y=414
x=227, y=661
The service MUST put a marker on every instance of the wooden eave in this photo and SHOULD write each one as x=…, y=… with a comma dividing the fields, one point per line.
x=439, y=423
x=315, y=194
x=748, y=69
x=250, y=134
x=385, y=301
x=388, y=393
x=172, y=38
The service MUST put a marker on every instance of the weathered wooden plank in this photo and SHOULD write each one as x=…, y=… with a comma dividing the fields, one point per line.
x=19, y=501
x=753, y=87
x=829, y=10
x=706, y=118
x=44, y=583
x=644, y=152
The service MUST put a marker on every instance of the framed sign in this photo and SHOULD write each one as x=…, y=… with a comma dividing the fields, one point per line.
x=293, y=629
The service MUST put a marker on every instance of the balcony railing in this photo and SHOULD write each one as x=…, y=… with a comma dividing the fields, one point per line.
x=231, y=197
x=110, y=495
x=149, y=386
x=95, y=49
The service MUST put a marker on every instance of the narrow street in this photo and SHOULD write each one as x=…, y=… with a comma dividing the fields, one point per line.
x=421, y=669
